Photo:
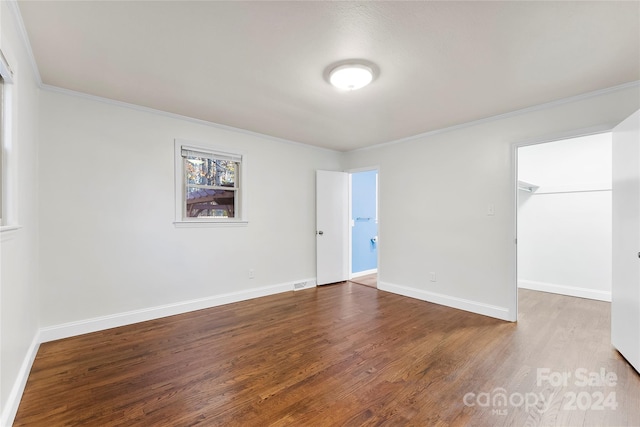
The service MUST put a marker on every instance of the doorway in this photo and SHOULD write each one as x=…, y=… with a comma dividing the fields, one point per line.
x=564, y=213
x=363, y=236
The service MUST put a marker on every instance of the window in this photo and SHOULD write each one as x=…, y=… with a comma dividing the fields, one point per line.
x=208, y=185
x=2, y=168
x=7, y=169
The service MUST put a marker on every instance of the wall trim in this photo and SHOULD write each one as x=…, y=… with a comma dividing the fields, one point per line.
x=572, y=291
x=17, y=15
x=476, y=307
x=533, y=108
x=508, y=115
x=66, y=330
x=13, y=5
x=15, y=395
x=149, y=110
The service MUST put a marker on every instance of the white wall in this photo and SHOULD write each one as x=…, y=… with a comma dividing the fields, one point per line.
x=435, y=191
x=18, y=248
x=96, y=205
x=108, y=244
x=564, y=228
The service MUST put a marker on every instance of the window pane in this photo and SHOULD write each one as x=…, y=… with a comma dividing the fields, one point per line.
x=203, y=171
x=206, y=202
x=2, y=171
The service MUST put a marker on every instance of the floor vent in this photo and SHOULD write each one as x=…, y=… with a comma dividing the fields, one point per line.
x=300, y=285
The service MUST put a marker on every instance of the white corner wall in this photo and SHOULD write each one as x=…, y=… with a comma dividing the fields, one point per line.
x=564, y=228
x=436, y=190
x=18, y=247
x=109, y=251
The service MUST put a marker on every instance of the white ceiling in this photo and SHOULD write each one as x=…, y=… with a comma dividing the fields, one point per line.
x=259, y=65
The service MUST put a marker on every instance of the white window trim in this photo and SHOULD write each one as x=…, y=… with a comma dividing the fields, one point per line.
x=180, y=220
x=8, y=215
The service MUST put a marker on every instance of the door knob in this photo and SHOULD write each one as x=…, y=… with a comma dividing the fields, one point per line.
x=321, y=232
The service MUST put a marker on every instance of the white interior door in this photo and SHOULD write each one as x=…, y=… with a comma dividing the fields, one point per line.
x=625, y=290
x=332, y=227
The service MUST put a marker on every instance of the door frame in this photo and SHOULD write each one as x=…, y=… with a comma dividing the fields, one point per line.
x=350, y=248
x=576, y=133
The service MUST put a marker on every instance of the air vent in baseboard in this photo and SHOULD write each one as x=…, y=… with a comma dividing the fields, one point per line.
x=299, y=285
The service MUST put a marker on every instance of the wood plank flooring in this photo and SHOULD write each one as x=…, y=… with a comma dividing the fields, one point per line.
x=368, y=280
x=338, y=355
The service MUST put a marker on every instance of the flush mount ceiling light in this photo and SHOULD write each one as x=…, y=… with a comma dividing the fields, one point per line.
x=351, y=76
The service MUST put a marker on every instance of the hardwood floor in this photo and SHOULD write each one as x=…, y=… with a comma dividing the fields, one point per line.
x=338, y=355
x=368, y=280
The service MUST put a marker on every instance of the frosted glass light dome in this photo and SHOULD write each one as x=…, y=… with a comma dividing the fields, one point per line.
x=351, y=76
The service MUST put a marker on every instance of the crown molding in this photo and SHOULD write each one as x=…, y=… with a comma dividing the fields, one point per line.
x=13, y=6
x=149, y=110
x=510, y=114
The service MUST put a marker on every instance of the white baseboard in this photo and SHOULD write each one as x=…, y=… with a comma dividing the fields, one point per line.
x=572, y=291
x=15, y=395
x=66, y=330
x=364, y=273
x=501, y=313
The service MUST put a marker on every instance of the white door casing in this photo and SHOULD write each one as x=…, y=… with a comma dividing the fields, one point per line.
x=332, y=227
x=625, y=290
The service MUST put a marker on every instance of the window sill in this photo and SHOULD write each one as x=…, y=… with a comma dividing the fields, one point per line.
x=8, y=231
x=209, y=224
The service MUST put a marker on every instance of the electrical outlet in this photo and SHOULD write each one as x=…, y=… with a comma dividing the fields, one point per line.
x=491, y=209
x=432, y=276
x=252, y=273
